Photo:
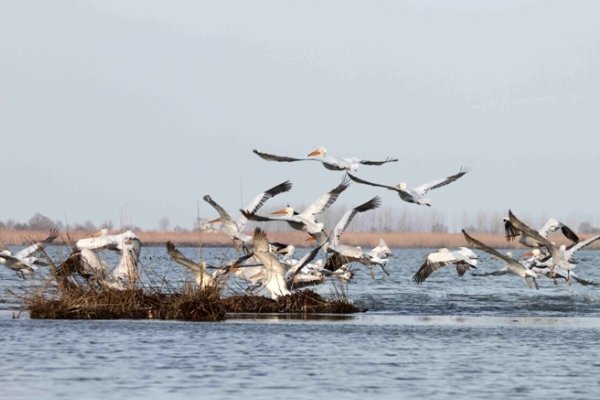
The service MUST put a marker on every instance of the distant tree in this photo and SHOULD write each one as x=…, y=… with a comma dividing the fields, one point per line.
x=439, y=227
x=164, y=224
x=2, y=225
x=107, y=225
x=179, y=229
x=40, y=222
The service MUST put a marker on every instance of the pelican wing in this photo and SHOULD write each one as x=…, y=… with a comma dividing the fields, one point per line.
x=510, y=231
x=426, y=187
x=358, y=180
x=569, y=234
x=326, y=200
x=260, y=200
x=535, y=235
x=432, y=263
x=369, y=162
x=30, y=250
x=308, y=257
x=580, y=245
x=223, y=214
x=179, y=258
x=479, y=245
x=343, y=223
x=273, y=157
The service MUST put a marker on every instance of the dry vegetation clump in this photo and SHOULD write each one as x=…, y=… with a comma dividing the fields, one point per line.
x=106, y=303
x=305, y=301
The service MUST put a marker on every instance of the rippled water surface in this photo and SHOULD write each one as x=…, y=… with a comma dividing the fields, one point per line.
x=449, y=338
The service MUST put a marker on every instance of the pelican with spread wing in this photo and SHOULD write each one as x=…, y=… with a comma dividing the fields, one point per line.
x=464, y=259
x=417, y=194
x=330, y=162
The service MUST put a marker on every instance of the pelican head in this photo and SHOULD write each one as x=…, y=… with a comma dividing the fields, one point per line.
x=402, y=186
x=320, y=152
x=553, y=225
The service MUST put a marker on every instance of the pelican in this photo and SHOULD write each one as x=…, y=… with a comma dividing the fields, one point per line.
x=117, y=242
x=203, y=279
x=417, y=194
x=330, y=162
x=343, y=253
x=305, y=220
x=126, y=274
x=513, y=266
x=275, y=279
x=552, y=225
x=24, y=261
x=463, y=258
x=380, y=253
x=235, y=229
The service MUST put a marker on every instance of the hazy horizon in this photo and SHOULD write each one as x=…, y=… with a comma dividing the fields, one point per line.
x=131, y=111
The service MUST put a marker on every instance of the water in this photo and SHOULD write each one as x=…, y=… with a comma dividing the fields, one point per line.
x=449, y=338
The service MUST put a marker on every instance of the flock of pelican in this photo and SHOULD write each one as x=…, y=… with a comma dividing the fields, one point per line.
x=271, y=266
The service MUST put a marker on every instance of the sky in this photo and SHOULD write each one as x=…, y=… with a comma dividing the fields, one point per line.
x=131, y=111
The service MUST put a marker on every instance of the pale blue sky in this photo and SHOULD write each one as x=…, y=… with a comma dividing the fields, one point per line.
x=146, y=106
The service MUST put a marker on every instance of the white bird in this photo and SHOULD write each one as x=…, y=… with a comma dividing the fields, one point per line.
x=552, y=225
x=513, y=266
x=25, y=261
x=235, y=229
x=116, y=242
x=307, y=219
x=342, y=253
x=126, y=274
x=202, y=277
x=330, y=162
x=380, y=253
x=417, y=194
x=464, y=259
x=276, y=280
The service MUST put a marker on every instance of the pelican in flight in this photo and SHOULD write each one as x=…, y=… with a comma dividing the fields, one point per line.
x=464, y=259
x=417, y=194
x=117, y=242
x=275, y=279
x=330, y=162
x=24, y=261
x=235, y=229
x=305, y=220
x=513, y=266
x=552, y=225
x=343, y=254
x=203, y=278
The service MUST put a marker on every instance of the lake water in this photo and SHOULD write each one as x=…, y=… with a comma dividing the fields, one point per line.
x=470, y=337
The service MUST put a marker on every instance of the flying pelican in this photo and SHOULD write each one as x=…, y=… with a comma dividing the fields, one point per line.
x=380, y=253
x=463, y=258
x=275, y=279
x=330, y=162
x=552, y=225
x=305, y=220
x=513, y=266
x=24, y=261
x=116, y=242
x=235, y=229
x=417, y=194
x=342, y=253
x=203, y=278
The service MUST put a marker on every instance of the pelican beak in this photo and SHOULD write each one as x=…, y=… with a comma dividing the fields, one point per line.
x=314, y=153
x=214, y=221
x=310, y=239
x=279, y=212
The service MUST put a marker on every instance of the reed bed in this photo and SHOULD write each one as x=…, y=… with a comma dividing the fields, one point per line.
x=298, y=239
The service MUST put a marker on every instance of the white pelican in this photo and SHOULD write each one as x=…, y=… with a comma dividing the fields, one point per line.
x=333, y=163
x=380, y=253
x=203, y=278
x=116, y=242
x=25, y=261
x=126, y=274
x=463, y=258
x=513, y=266
x=305, y=220
x=417, y=194
x=343, y=253
x=552, y=225
x=275, y=279
x=235, y=229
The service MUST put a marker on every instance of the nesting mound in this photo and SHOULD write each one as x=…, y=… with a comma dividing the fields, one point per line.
x=77, y=303
x=305, y=301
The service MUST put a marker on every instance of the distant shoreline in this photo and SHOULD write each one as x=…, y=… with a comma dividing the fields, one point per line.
x=298, y=239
